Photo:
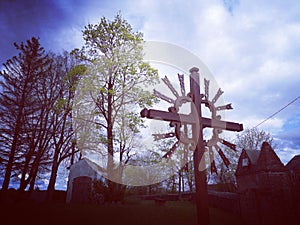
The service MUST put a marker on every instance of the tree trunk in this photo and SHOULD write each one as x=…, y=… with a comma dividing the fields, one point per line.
x=32, y=180
x=110, y=147
x=24, y=180
x=182, y=181
x=12, y=151
x=9, y=167
x=54, y=169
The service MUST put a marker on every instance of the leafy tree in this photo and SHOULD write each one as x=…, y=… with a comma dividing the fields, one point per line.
x=113, y=53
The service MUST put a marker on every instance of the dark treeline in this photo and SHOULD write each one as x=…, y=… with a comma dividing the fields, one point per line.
x=37, y=89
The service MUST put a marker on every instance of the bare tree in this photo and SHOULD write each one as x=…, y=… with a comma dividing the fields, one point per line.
x=253, y=139
x=66, y=70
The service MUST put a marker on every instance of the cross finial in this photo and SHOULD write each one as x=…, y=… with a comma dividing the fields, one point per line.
x=194, y=69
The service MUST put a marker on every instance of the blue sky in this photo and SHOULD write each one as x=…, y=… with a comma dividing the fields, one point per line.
x=251, y=47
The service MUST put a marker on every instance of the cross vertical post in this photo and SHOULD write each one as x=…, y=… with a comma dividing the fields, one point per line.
x=198, y=123
x=197, y=135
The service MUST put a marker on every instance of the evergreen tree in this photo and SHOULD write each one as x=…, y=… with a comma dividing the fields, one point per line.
x=20, y=106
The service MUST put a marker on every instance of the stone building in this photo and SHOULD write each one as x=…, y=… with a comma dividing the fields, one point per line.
x=293, y=166
x=80, y=181
x=264, y=187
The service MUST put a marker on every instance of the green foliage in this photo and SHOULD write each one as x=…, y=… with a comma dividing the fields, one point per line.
x=108, y=36
x=79, y=69
x=114, y=77
x=60, y=104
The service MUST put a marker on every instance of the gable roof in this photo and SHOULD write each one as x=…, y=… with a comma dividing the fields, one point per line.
x=259, y=160
x=294, y=164
x=253, y=155
x=268, y=160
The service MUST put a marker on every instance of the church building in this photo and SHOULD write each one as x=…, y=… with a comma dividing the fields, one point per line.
x=264, y=186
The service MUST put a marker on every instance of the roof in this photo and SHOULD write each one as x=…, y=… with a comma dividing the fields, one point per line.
x=259, y=160
x=268, y=160
x=253, y=155
x=294, y=164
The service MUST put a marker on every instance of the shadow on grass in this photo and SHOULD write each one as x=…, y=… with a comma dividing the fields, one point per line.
x=132, y=212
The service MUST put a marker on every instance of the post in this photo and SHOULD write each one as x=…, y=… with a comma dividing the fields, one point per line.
x=197, y=134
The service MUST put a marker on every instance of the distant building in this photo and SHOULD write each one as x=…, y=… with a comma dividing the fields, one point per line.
x=264, y=186
x=293, y=166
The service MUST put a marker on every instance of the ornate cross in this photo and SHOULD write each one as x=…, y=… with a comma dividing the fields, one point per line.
x=198, y=123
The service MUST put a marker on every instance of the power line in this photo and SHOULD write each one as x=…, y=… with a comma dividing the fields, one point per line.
x=277, y=112
x=291, y=102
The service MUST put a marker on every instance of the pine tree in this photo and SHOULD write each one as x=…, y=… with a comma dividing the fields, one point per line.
x=20, y=107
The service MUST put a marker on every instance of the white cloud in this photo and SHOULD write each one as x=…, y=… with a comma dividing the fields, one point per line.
x=253, y=50
x=273, y=124
x=287, y=153
x=46, y=181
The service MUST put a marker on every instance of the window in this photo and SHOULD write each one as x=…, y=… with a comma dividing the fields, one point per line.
x=245, y=162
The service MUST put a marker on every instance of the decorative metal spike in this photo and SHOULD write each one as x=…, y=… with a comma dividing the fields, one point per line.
x=170, y=86
x=163, y=97
x=228, y=144
x=158, y=137
x=224, y=107
x=206, y=87
x=170, y=152
x=213, y=168
x=224, y=158
x=219, y=93
x=181, y=81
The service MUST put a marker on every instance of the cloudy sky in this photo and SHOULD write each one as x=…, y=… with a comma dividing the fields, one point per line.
x=251, y=47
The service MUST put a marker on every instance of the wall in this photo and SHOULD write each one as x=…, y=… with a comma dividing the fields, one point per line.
x=224, y=200
x=81, y=168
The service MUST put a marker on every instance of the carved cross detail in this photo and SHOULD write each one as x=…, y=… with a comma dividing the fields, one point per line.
x=198, y=123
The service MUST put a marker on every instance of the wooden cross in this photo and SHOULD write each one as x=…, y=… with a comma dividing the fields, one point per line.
x=197, y=135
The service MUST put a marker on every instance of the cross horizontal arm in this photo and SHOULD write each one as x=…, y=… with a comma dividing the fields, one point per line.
x=190, y=119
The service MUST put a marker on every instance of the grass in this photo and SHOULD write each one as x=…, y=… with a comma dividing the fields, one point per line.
x=132, y=212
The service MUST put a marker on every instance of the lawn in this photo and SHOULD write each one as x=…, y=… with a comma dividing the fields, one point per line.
x=133, y=212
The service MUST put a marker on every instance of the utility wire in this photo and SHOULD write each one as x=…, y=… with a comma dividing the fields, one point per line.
x=291, y=102
x=277, y=112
